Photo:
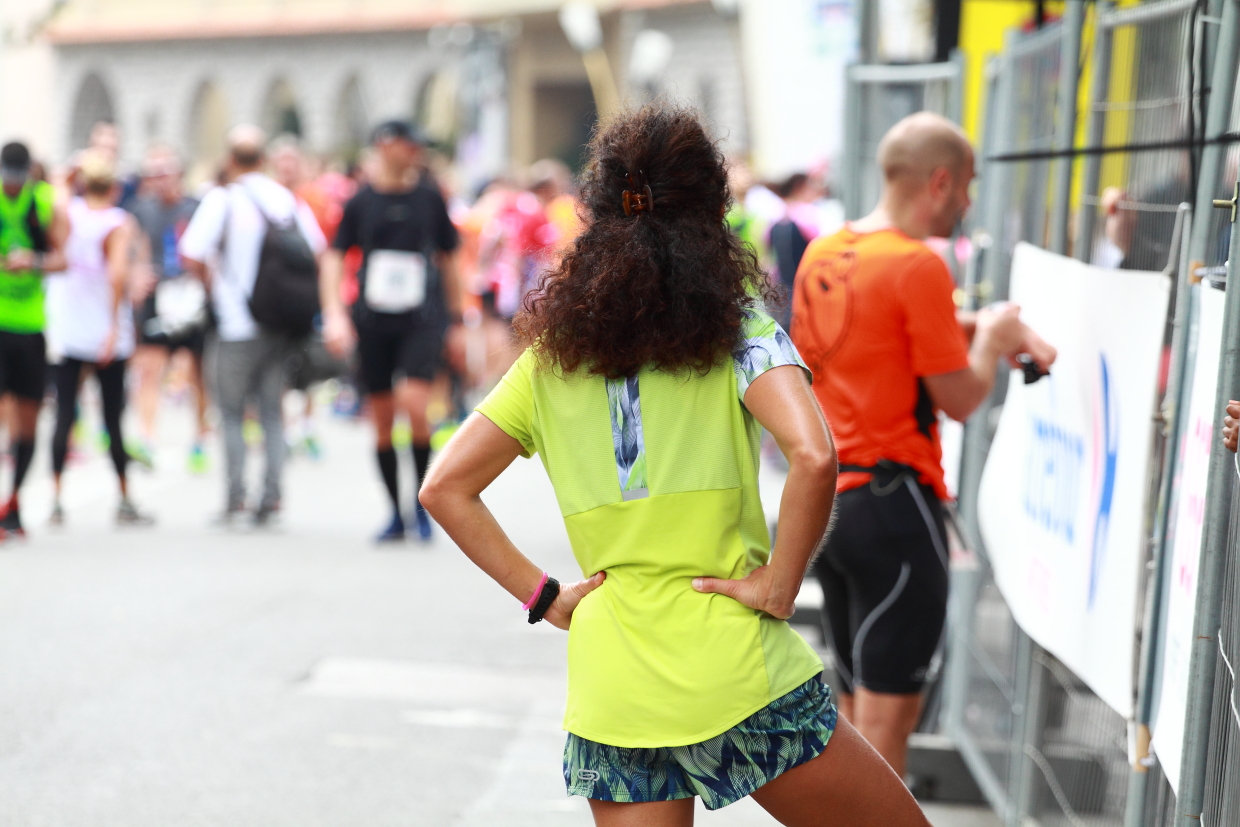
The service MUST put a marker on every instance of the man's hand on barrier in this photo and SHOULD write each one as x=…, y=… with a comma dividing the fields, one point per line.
x=1231, y=425
x=1042, y=351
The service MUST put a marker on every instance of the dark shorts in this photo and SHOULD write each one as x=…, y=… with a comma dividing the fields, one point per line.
x=884, y=579
x=784, y=734
x=194, y=340
x=413, y=349
x=23, y=365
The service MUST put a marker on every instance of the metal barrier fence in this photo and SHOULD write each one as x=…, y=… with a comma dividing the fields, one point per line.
x=875, y=98
x=1044, y=749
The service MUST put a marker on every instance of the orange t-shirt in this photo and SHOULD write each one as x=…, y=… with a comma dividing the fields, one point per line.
x=872, y=313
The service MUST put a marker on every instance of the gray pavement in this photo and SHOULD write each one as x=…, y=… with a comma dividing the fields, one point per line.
x=184, y=675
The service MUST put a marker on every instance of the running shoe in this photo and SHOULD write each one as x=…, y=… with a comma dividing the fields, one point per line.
x=424, y=523
x=141, y=454
x=197, y=459
x=394, y=533
x=230, y=516
x=128, y=514
x=58, y=516
x=11, y=521
x=267, y=514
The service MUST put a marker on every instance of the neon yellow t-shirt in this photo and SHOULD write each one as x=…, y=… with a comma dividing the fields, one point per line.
x=657, y=480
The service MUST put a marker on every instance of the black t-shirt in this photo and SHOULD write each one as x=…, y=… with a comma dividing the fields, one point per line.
x=415, y=221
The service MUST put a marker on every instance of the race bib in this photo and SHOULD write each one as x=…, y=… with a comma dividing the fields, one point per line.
x=395, y=281
x=180, y=302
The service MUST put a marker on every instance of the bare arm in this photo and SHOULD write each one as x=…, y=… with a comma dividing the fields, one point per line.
x=338, y=333
x=452, y=493
x=116, y=248
x=450, y=274
x=782, y=402
x=54, y=259
x=995, y=334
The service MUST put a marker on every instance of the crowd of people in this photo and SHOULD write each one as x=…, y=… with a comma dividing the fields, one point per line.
x=639, y=336
x=146, y=280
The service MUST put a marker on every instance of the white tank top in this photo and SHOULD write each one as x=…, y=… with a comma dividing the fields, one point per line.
x=80, y=301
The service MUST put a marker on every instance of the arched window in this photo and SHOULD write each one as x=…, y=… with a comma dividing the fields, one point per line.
x=207, y=128
x=92, y=105
x=436, y=109
x=352, y=122
x=280, y=113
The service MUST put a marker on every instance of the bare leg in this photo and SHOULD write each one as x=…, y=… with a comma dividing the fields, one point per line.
x=382, y=414
x=845, y=704
x=677, y=813
x=886, y=721
x=849, y=785
x=414, y=395
x=200, y=394
x=150, y=362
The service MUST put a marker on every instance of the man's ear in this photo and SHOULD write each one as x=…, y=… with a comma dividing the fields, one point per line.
x=941, y=182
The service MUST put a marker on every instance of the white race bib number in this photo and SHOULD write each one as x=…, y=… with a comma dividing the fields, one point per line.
x=395, y=281
x=179, y=302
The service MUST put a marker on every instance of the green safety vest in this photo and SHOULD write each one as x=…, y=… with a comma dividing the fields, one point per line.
x=24, y=223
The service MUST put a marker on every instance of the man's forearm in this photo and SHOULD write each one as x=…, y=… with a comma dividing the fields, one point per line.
x=331, y=268
x=451, y=283
x=968, y=322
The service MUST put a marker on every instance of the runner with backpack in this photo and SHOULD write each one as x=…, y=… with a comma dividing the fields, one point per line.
x=265, y=297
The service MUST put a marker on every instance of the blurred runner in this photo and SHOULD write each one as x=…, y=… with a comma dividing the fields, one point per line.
x=172, y=313
x=32, y=236
x=408, y=298
x=249, y=360
x=874, y=318
x=92, y=321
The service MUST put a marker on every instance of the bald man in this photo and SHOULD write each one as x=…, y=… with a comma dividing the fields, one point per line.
x=873, y=317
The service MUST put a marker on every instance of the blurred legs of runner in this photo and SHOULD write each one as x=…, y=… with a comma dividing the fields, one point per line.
x=150, y=363
x=411, y=397
x=849, y=785
x=252, y=368
x=25, y=413
x=885, y=720
x=111, y=378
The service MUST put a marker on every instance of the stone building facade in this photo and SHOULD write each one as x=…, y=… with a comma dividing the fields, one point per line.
x=504, y=89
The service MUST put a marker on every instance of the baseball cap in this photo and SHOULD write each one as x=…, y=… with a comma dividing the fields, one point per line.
x=14, y=163
x=398, y=130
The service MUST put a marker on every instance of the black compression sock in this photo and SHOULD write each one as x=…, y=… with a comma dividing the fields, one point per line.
x=387, y=467
x=421, y=461
x=23, y=453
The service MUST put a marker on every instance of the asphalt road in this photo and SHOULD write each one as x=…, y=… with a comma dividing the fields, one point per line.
x=184, y=675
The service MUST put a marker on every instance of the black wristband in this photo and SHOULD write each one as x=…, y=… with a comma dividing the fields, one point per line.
x=550, y=591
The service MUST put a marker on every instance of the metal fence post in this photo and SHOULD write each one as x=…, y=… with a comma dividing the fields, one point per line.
x=1173, y=419
x=1065, y=123
x=1214, y=544
x=1218, y=116
x=853, y=130
x=1095, y=130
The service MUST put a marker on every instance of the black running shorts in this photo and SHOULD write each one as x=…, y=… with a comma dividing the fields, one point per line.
x=23, y=365
x=884, y=579
x=413, y=350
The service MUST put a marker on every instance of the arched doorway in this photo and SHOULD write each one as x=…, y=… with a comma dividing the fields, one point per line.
x=92, y=105
x=436, y=109
x=352, y=122
x=281, y=115
x=205, y=136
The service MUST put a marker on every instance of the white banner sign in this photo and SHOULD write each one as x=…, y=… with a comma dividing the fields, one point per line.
x=1063, y=492
x=1187, y=514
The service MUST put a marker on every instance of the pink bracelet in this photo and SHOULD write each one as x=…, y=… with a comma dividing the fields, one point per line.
x=529, y=604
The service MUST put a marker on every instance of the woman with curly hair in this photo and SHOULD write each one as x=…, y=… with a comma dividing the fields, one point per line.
x=648, y=376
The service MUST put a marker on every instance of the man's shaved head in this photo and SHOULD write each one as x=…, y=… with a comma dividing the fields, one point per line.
x=245, y=144
x=920, y=144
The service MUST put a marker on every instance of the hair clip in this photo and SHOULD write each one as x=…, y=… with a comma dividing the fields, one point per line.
x=638, y=199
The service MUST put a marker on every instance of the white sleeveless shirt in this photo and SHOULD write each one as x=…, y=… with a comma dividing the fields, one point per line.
x=80, y=301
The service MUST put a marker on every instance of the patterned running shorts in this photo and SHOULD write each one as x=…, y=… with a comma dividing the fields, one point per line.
x=784, y=734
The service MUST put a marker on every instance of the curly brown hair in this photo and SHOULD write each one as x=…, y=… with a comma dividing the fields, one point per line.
x=667, y=287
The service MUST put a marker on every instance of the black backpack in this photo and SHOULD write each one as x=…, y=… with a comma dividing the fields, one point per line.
x=285, y=298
